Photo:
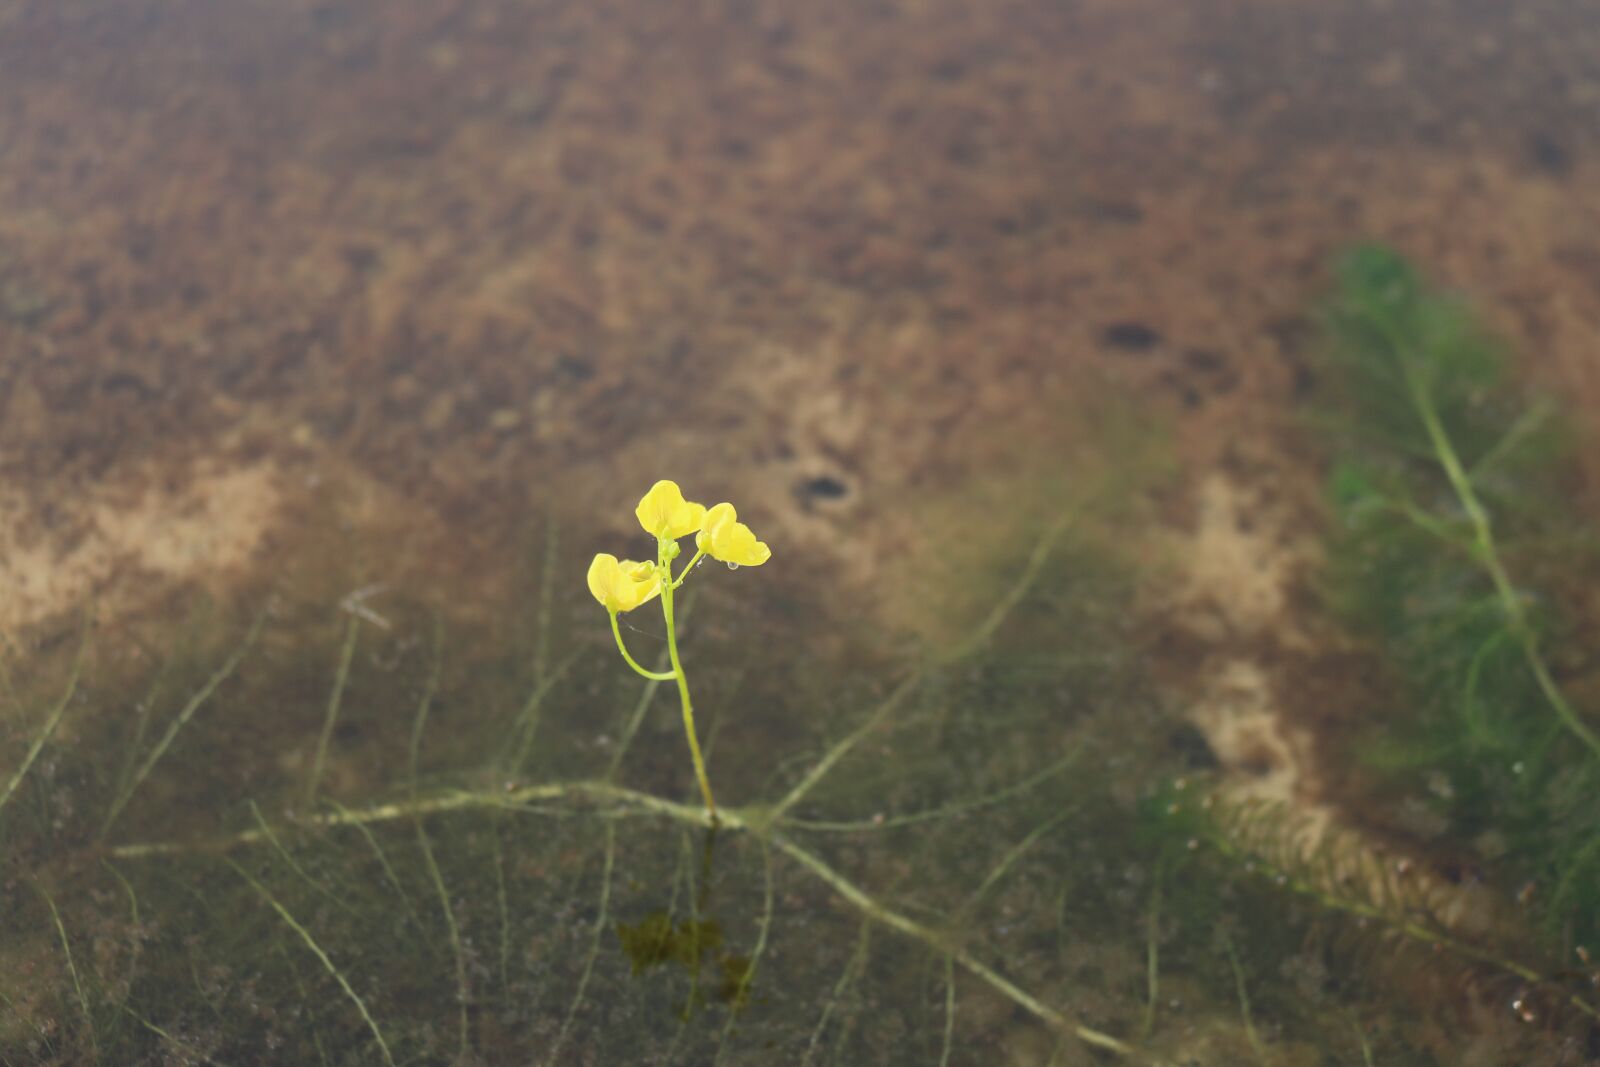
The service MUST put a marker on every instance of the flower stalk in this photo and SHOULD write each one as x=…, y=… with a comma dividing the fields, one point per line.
x=622, y=585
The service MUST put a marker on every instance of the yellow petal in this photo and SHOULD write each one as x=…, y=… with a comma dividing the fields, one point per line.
x=603, y=571
x=665, y=513
x=636, y=570
x=724, y=537
x=639, y=583
x=715, y=517
x=622, y=585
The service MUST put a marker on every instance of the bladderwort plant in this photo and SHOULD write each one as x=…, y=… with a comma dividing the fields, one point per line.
x=623, y=585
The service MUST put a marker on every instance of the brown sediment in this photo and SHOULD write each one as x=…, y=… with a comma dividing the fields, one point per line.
x=149, y=528
x=850, y=250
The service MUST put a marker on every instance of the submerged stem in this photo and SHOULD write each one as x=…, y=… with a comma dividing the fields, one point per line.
x=322, y=956
x=51, y=721
x=199, y=698
x=72, y=968
x=1244, y=1000
x=600, y=923
x=341, y=676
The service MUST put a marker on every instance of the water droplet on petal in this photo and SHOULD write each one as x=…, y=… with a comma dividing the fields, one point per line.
x=733, y=566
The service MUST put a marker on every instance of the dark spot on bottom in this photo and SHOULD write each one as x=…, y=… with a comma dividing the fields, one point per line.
x=1187, y=741
x=1130, y=336
x=1549, y=155
x=824, y=488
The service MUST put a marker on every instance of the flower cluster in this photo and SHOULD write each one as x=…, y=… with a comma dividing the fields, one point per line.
x=622, y=585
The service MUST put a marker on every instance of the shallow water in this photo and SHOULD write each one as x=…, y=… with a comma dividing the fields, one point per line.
x=337, y=339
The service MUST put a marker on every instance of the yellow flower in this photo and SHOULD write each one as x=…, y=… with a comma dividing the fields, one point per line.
x=664, y=513
x=622, y=585
x=724, y=537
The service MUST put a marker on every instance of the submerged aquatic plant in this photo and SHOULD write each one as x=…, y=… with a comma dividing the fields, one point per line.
x=325, y=892
x=1446, y=493
x=1337, y=870
x=624, y=585
x=1449, y=508
x=949, y=835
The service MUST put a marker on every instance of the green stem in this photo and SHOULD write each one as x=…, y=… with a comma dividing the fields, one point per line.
x=694, y=562
x=654, y=676
x=1487, y=554
x=683, y=681
x=51, y=723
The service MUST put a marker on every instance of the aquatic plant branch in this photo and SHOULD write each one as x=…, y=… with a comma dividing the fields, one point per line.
x=419, y=722
x=1525, y=426
x=383, y=862
x=686, y=866
x=136, y=948
x=283, y=853
x=72, y=969
x=182, y=1046
x=347, y=652
x=526, y=727
x=748, y=978
x=1009, y=860
x=947, y=811
x=847, y=980
x=1366, y=1047
x=327, y=963
x=436, y=804
x=1427, y=523
x=594, y=947
x=502, y=906
x=418, y=725
x=52, y=720
x=937, y=940
x=221, y=675
x=462, y=993
x=305, y=998
x=1019, y=589
x=949, y=1010
x=1152, y=957
x=1244, y=1000
x=1486, y=552
x=842, y=748
x=127, y=887
x=141, y=727
x=1387, y=909
x=6, y=686
x=547, y=584
x=1002, y=609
